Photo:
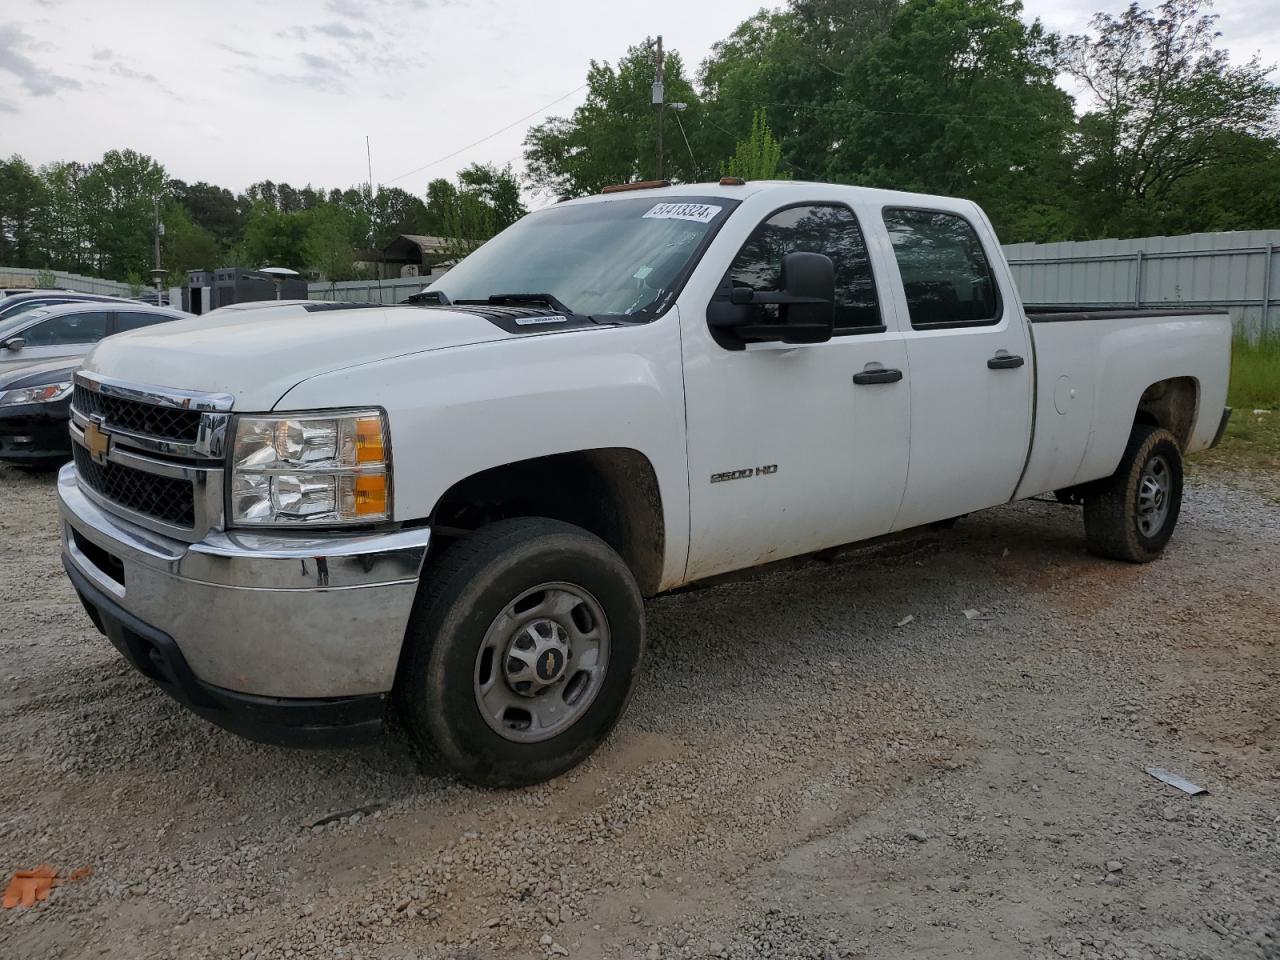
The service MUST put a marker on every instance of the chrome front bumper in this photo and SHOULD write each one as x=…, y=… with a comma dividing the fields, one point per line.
x=282, y=615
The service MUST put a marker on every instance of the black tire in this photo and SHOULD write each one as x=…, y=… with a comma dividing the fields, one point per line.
x=1115, y=525
x=463, y=593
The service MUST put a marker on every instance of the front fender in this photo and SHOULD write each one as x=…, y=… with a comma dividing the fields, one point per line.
x=458, y=411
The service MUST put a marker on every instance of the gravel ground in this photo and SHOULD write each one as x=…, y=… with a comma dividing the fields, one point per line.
x=798, y=776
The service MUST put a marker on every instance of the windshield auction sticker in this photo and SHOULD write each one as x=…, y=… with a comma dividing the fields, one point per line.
x=697, y=212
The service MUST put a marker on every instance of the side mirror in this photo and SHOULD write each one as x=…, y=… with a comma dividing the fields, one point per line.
x=15, y=344
x=809, y=280
x=806, y=304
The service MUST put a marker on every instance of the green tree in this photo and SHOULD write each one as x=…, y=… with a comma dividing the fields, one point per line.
x=958, y=97
x=213, y=208
x=485, y=202
x=272, y=238
x=23, y=198
x=66, y=233
x=187, y=245
x=1163, y=99
x=119, y=193
x=758, y=156
x=467, y=222
x=612, y=137
x=327, y=244
x=791, y=64
x=498, y=189
x=1240, y=190
x=395, y=211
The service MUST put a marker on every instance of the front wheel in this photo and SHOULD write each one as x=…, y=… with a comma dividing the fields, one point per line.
x=522, y=653
x=1131, y=515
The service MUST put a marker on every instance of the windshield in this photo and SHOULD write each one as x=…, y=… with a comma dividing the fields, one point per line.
x=619, y=257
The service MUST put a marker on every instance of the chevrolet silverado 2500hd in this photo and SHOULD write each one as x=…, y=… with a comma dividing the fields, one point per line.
x=458, y=505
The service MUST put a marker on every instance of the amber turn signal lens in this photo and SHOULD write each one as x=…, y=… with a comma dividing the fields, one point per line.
x=371, y=495
x=369, y=444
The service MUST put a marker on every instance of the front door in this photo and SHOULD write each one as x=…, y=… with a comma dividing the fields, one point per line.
x=788, y=452
x=971, y=369
x=68, y=335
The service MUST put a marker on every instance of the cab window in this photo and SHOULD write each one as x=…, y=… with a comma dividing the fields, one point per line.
x=945, y=272
x=72, y=328
x=829, y=229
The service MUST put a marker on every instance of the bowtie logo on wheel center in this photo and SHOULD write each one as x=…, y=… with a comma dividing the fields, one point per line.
x=538, y=657
x=550, y=663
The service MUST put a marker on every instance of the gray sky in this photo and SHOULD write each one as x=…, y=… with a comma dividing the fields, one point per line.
x=286, y=90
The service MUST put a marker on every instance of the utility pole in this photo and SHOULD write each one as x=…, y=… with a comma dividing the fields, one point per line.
x=377, y=266
x=658, y=99
x=157, y=273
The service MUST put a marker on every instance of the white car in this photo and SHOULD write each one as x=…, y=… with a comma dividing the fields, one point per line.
x=460, y=505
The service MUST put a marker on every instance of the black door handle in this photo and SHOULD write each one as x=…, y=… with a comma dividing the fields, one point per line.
x=1005, y=363
x=877, y=376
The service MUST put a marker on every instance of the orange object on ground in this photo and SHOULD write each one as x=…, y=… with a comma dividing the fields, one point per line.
x=28, y=886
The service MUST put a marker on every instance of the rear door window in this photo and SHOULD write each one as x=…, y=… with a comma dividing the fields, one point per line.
x=945, y=272
x=135, y=321
x=72, y=328
x=829, y=229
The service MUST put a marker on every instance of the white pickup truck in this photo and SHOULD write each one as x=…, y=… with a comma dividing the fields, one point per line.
x=457, y=506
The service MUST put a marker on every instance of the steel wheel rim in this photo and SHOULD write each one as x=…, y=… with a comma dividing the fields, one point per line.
x=542, y=662
x=1154, y=488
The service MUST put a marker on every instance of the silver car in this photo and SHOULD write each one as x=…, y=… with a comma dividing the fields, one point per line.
x=72, y=329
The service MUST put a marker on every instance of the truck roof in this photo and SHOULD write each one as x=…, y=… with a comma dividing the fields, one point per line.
x=782, y=187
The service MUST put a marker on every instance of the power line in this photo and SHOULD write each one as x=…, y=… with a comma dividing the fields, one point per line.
x=692, y=158
x=826, y=107
x=513, y=123
x=793, y=166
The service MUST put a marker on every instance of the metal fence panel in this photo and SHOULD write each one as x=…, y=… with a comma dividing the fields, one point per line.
x=28, y=277
x=367, y=291
x=1236, y=271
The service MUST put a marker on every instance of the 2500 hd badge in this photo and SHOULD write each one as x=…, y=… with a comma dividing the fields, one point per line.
x=764, y=471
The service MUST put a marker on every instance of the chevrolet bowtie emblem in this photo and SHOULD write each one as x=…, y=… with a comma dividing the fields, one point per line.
x=99, y=443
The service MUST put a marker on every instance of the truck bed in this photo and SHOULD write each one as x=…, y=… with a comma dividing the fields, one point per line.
x=1089, y=376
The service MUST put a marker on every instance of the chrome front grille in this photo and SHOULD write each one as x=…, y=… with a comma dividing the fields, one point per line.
x=133, y=416
x=151, y=454
x=168, y=499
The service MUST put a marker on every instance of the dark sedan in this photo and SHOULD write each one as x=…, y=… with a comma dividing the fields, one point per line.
x=35, y=405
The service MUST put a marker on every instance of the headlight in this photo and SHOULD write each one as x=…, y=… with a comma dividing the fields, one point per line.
x=49, y=393
x=314, y=468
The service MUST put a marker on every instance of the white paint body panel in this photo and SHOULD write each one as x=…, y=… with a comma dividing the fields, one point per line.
x=840, y=450
x=1108, y=364
x=852, y=461
x=257, y=355
x=459, y=411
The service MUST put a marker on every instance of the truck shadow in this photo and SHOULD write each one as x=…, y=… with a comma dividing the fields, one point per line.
x=720, y=656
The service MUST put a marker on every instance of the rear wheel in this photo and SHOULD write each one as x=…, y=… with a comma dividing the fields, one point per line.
x=1131, y=516
x=522, y=652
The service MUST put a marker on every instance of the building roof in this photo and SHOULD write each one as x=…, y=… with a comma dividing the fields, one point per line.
x=412, y=248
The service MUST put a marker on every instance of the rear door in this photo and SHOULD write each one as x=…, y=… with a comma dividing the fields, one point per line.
x=793, y=448
x=971, y=366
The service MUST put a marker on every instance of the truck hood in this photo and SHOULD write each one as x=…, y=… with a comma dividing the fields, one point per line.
x=257, y=356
